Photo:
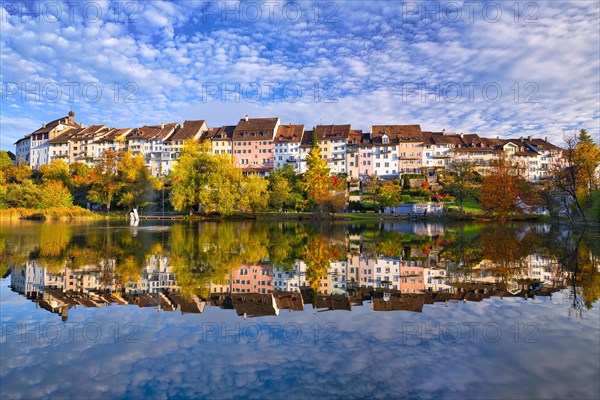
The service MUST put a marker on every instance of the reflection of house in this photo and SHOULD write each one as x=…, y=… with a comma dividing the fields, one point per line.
x=254, y=304
x=156, y=276
x=290, y=281
x=289, y=301
x=395, y=301
x=252, y=278
x=416, y=208
x=331, y=303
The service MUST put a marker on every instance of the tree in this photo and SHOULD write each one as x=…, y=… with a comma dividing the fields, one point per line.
x=569, y=176
x=25, y=194
x=316, y=179
x=104, y=178
x=587, y=157
x=280, y=190
x=55, y=194
x=137, y=183
x=5, y=166
x=56, y=170
x=501, y=188
x=461, y=182
x=224, y=183
x=190, y=177
x=254, y=194
x=388, y=195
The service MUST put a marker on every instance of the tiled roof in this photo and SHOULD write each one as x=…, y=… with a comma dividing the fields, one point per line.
x=153, y=132
x=289, y=133
x=53, y=124
x=398, y=133
x=255, y=129
x=189, y=130
x=332, y=132
x=222, y=133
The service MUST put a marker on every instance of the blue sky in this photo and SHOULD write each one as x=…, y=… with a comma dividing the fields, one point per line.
x=496, y=69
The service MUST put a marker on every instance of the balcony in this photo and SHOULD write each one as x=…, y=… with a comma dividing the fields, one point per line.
x=292, y=160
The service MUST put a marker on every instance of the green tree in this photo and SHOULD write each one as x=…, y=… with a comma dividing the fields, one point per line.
x=280, y=190
x=224, y=182
x=461, y=182
x=104, y=178
x=138, y=183
x=190, y=177
x=254, y=194
x=24, y=194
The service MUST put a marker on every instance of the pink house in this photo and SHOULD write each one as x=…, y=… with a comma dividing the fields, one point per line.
x=252, y=144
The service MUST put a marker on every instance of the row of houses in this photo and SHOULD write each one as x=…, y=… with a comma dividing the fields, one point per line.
x=259, y=145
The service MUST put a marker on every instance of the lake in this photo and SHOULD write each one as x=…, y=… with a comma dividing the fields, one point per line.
x=294, y=310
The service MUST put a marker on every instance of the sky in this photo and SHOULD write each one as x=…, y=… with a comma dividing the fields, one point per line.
x=507, y=69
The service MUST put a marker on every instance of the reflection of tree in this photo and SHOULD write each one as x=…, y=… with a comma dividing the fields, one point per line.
x=576, y=258
x=507, y=246
x=462, y=250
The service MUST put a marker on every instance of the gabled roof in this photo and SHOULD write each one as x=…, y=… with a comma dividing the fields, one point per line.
x=289, y=133
x=189, y=130
x=53, y=124
x=255, y=129
x=332, y=132
x=397, y=133
x=153, y=132
x=222, y=133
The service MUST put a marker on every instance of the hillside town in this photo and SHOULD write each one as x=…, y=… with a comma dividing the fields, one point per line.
x=259, y=145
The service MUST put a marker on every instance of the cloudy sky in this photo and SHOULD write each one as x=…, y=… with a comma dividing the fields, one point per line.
x=498, y=69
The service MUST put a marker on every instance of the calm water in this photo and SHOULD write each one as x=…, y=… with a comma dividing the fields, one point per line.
x=255, y=310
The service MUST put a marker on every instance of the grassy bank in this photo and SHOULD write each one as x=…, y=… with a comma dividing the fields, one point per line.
x=49, y=214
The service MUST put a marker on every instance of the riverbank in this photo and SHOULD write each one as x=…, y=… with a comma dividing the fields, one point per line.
x=72, y=213
x=75, y=213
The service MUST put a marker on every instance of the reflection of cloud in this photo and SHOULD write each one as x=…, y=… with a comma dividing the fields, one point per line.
x=368, y=358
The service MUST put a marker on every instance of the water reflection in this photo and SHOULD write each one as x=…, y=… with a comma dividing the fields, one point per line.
x=260, y=269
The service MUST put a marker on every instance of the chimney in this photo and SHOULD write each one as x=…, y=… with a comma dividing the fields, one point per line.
x=528, y=137
x=462, y=135
x=43, y=125
x=521, y=138
x=246, y=117
x=546, y=139
x=162, y=125
x=444, y=132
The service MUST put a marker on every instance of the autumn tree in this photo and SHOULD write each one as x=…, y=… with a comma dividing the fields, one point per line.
x=137, y=183
x=104, y=178
x=317, y=181
x=55, y=194
x=56, y=170
x=501, y=188
x=5, y=165
x=388, y=195
x=587, y=157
